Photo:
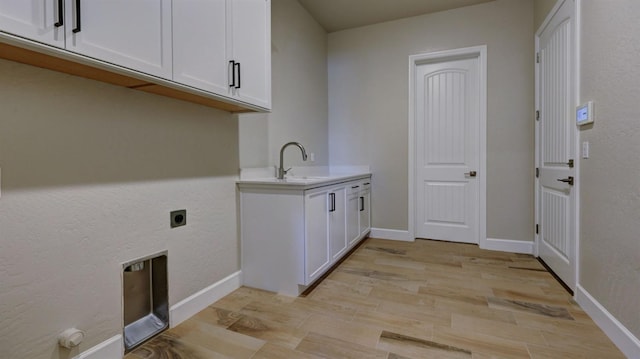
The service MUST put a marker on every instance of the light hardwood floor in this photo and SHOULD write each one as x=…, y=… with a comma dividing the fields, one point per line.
x=390, y=299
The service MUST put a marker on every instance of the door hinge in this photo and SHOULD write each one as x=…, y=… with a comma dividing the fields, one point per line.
x=537, y=57
x=537, y=229
x=537, y=115
x=537, y=172
x=570, y=163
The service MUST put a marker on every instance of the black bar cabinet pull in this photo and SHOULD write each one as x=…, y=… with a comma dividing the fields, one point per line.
x=78, y=26
x=361, y=204
x=60, y=21
x=332, y=198
x=239, y=76
x=233, y=73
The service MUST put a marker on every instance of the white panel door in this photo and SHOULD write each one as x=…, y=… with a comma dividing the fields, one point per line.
x=36, y=20
x=316, y=242
x=200, y=53
x=133, y=34
x=556, y=139
x=251, y=33
x=447, y=150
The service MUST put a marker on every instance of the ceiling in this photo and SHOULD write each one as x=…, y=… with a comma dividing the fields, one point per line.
x=335, y=15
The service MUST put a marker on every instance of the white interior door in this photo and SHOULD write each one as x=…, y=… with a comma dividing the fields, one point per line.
x=447, y=150
x=556, y=144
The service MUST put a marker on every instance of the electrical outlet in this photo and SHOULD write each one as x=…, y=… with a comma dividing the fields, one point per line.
x=312, y=157
x=178, y=218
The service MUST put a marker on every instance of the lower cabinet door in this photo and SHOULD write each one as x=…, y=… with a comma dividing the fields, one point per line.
x=337, y=223
x=365, y=209
x=353, y=218
x=316, y=242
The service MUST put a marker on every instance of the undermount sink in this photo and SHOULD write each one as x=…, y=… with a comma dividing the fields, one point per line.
x=305, y=178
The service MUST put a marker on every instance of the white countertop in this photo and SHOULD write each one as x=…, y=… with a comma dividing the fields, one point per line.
x=302, y=179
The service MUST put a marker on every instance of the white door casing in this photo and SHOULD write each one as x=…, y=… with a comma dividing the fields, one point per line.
x=448, y=114
x=555, y=143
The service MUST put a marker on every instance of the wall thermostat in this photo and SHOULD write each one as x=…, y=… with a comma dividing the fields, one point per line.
x=584, y=114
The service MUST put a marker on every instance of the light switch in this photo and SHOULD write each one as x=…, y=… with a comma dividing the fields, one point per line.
x=585, y=149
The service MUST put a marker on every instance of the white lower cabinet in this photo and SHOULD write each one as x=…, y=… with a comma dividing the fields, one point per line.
x=292, y=236
x=353, y=214
x=337, y=223
x=364, y=211
x=316, y=239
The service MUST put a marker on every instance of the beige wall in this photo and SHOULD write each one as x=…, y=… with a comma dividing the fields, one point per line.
x=90, y=173
x=368, y=106
x=610, y=194
x=541, y=9
x=299, y=58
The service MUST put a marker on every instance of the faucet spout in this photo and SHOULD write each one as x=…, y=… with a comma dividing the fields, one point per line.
x=281, y=170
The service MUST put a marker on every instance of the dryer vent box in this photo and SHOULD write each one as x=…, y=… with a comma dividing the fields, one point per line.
x=146, y=306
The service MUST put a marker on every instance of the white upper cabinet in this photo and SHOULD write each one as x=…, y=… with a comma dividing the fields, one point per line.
x=201, y=58
x=224, y=46
x=133, y=34
x=251, y=50
x=217, y=49
x=35, y=20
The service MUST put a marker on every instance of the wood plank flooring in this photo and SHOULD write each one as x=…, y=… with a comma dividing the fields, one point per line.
x=397, y=300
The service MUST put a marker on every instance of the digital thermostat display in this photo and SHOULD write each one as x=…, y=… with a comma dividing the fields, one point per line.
x=584, y=113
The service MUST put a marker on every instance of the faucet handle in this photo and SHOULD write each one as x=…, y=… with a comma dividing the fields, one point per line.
x=287, y=170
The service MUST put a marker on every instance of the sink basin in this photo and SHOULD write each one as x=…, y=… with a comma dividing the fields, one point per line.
x=305, y=178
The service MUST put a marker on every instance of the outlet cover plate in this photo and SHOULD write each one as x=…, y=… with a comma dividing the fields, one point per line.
x=178, y=218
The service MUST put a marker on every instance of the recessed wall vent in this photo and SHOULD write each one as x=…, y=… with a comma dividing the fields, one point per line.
x=146, y=307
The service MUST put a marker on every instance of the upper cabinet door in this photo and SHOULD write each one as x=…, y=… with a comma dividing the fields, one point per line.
x=34, y=20
x=133, y=34
x=200, y=53
x=251, y=34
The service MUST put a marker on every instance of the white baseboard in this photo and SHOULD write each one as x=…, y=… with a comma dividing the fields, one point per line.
x=113, y=348
x=108, y=349
x=507, y=245
x=618, y=333
x=191, y=305
x=392, y=234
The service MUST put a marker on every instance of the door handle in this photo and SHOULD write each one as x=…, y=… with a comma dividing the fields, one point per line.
x=471, y=174
x=568, y=180
x=78, y=27
x=233, y=73
x=239, y=75
x=60, y=21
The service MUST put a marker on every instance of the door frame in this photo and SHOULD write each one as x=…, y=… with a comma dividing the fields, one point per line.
x=479, y=52
x=577, y=149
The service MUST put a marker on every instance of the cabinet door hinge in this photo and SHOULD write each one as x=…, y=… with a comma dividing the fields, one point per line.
x=537, y=57
x=537, y=172
x=537, y=115
x=537, y=229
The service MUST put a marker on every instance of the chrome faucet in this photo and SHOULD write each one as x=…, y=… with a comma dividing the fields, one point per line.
x=281, y=170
